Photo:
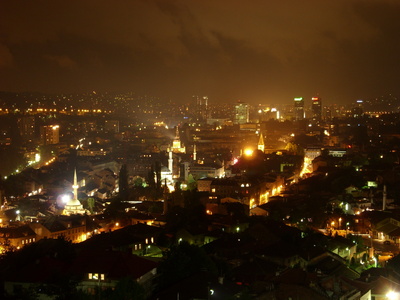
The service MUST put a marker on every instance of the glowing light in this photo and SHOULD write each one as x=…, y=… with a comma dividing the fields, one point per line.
x=65, y=198
x=248, y=152
x=392, y=295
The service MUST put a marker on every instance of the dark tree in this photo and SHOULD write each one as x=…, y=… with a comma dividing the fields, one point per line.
x=123, y=183
x=182, y=261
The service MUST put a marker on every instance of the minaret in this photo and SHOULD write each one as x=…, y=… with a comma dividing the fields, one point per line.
x=194, y=152
x=261, y=145
x=74, y=206
x=170, y=161
x=75, y=186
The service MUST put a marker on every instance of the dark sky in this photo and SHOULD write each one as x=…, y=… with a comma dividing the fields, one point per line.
x=259, y=51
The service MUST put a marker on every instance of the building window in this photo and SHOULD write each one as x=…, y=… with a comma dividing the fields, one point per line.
x=101, y=276
x=152, y=239
x=147, y=241
x=90, y=276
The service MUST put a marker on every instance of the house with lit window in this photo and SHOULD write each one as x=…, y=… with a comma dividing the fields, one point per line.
x=103, y=269
x=16, y=237
x=71, y=228
x=139, y=239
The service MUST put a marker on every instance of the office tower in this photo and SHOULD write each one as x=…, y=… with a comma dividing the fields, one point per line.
x=316, y=109
x=49, y=134
x=202, y=110
x=358, y=109
x=242, y=113
x=298, y=108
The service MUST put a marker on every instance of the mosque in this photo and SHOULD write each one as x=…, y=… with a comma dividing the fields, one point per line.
x=74, y=206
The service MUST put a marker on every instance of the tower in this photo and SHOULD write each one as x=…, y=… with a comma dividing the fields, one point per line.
x=316, y=109
x=202, y=110
x=242, y=113
x=74, y=206
x=261, y=145
x=26, y=126
x=49, y=134
x=298, y=108
x=177, y=146
x=194, y=153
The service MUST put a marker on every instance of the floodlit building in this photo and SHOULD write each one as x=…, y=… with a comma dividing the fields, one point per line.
x=298, y=108
x=316, y=109
x=74, y=206
x=242, y=113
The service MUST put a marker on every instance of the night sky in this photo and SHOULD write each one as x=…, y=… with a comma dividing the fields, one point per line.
x=258, y=51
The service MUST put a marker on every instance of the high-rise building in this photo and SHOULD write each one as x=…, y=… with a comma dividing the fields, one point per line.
x=26, y=127
x=358, y=109
x=242, y=113
x=202, y=109
x=298, y=108
x=316, y=109
x=49, y=134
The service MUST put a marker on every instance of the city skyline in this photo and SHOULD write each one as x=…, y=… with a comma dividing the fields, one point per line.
x=259, y=53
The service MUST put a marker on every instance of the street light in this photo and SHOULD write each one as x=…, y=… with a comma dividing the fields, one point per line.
x=392, y=295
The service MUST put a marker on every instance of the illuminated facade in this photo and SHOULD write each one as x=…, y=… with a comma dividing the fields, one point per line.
x=242, y=113
x=177, y=146
x=316, y=109
x=298, y=108
x=74, y=206
x=261, y=145
x=50, y=134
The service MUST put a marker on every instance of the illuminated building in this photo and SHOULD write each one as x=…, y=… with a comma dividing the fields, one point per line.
x=358, y=109
x=202, y=110
x=316, y=109
x=177, y=146
x=49, y=134
x=261, y=145
x=74, y=206
x=242, y=113
x=26, y=127
x=298, y=108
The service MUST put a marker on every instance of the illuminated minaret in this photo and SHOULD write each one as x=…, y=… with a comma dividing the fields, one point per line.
x=194, y=152
x=261, y=145
x=74, y=206
x=75, y=186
